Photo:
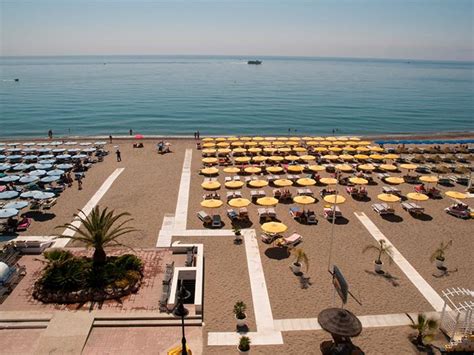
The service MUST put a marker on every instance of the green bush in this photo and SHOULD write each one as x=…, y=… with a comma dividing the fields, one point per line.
x=129, y=262
x=67, y=276
x=57, y=255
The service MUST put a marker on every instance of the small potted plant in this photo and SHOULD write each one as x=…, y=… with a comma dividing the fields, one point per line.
x=382, y=248
x=425, y=327
x=238, y=234
x=439, y=253
x=244, y=345
x=300, y=257
x=239, y=311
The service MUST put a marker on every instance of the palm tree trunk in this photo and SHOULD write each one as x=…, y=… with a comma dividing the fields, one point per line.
x=99, y=257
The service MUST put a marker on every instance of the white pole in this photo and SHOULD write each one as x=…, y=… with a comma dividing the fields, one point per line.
x=332, y=227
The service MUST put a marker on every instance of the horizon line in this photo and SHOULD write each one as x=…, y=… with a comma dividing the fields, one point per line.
x=239, y=55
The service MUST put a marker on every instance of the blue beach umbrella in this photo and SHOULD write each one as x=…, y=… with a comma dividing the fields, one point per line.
x=79, y=156
x=54, y=172
x=100, y=143
x=42, y=144
x=14, y=150
x=50, y=178
x=21, y=167
x=85, y=144
x=5, y=167
x=8, y=195
x=15, y=157
x=56, y=143
x=59, y=150
x=3, y=157
x=8, y=212
x=89, y=150
x=64, y=166
x=29, y=144
x=63, y=157
x=29, y=194
x=47, y=161
x=30, y=157
x=46, y=156
x=10, y=178
x=14, y=144
x=70, y=143
x=29, y=179
x=44, y=150
x=42, y=166
x=17, y=205
x=38, y=172
x=41, y=195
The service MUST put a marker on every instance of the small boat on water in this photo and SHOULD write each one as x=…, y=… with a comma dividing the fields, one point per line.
x=256, y=62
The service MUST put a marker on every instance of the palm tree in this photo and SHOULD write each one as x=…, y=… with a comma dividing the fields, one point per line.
x=100, y=229
x=440, y=251
x=425, y=327
x=382, y=248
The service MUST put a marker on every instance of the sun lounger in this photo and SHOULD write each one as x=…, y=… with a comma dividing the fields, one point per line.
x=227, y=179
x=204, y=217
x=23, y=224
x=216, y=221
x=232, y=214
x=243, y=213
x=382, y=209
x=328, y=212
x=412, y=208
x=233, y=194
x=290, y=241
x=32, y=246
x=49, y=203
x=268, y=238
x=390, y=190
x=311, y=217
x=271, y=212
x=459, y=210
x=296, y=213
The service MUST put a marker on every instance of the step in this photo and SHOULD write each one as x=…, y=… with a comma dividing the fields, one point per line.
x=24, y=325
x=146, y=323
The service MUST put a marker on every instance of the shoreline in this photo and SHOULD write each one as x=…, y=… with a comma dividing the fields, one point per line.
x=389, y=136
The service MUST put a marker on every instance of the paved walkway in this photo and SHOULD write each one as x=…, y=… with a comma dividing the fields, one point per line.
x=87, y=209
x=420, y=283
x=181, y=214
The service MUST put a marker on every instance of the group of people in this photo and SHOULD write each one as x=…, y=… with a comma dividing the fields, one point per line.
x=163, y=147
x=197, y=135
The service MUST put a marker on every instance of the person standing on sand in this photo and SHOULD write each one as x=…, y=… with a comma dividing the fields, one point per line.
x=131, y=132
x=110, y=139
x=79, y=182
x=50, y=134
x=197, y=134
x=119, y=155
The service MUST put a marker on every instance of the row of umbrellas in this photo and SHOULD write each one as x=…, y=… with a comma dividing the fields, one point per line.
x=54, y=143
x=34, y=194
x=260, y=139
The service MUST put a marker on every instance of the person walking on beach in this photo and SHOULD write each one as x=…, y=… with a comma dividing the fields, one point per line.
x=50, y=134
x=79, y=182
x=110, y=139
x=119, y=155
x=197, y=134
x=131, y=132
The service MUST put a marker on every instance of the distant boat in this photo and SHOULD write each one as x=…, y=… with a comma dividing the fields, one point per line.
x=256, y=62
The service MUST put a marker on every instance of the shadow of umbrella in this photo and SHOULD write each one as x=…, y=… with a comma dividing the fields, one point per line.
x=277, y=253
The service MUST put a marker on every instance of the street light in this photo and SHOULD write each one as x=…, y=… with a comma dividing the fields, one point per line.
x=181, y=311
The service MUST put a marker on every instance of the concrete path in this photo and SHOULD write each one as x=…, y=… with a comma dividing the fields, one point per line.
x=420, y=283
x=181, y=214
x=67, y=333
x=87, y=209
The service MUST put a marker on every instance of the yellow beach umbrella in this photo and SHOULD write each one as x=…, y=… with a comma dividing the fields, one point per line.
x=358, y=181
x=391, y=156
x=354, y=138
x=274, y=169
x=346, y=157
x=207, y=139
x=269, y=150
x=377, y=157
x=209, y=160
x=320, y=149
x=209, y=145
x=318, y=138
x=335, y=149
x=264, y=143
x=388, y=197
x=223, y=151
x=299, y=149
x=376, y=149
x=210, y=185
x=239, y=202
x=231, y=170
x=252, y=170
x=239, y=150
x=429, y=178
x=242, y=159
x=237, y=144
x=283, y=182
x=408, y=166
x=334, y=199
x=259, y=158
x=245, y=139
x=328, y=181
x=282, y=138
x=274, y=227
x=211, y=203
x=363, y=149
x=251, y=144
x=234, y=184
x=303, y=200
x=416, y=196
x=307, y=138
x=367, y=167
x=456, y=195
x=364, y=142
x=292, y=157
x=307, y=157
x=220, y=139
x=316, y=168
x=295, y=168
x=395, y=180
x=254, y=150
x=348, y=149
x=361, y=156
x=258, y=139
x=232, y=139
x=344, y=167
x=258, y=183
x=330, y=157
x=306, y=182
x=326, y=143
x=209, y=151
x=209, y=171
x=278, y=143
x=223, y=144
x=267, y=201
x=275, y=158
x=388, y=167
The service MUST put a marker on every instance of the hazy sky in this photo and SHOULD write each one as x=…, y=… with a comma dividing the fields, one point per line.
x=430, y=29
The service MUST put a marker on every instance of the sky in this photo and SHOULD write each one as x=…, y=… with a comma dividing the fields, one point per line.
x=399, y=29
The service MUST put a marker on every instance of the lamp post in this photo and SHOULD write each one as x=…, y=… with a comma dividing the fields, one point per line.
x=181, y=311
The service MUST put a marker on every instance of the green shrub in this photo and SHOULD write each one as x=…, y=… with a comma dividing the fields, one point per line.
x=58, y=255
x=129, y=262
x=67, y=276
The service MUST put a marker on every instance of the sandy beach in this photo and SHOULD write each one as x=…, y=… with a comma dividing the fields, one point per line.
x=148, y=188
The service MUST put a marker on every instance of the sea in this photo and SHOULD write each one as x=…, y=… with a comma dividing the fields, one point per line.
x=223, y=95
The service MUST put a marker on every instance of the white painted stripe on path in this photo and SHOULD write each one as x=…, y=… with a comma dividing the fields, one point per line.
x=181, y=214
x=87, y=209
x=420, y=283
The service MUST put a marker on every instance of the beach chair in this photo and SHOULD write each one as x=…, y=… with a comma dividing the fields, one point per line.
x=290, y=241
x=328, y=212
x=49, y=203
x=351, y=190
x=243, y=214
x=268, y=238
x=216, y=221
x=232, y=214
x=271, y=213
x=227, y=179
x=23, y=224
x=459, y=210
x=296, y=213
x=32, y=246
x=204, y=217
x=311, y=217
x=390, y=190
x=433, y=192
x=382, y=209
x=236, y=178
x=412, y=208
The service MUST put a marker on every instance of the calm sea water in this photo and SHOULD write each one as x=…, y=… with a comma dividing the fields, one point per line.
x=164, y=95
